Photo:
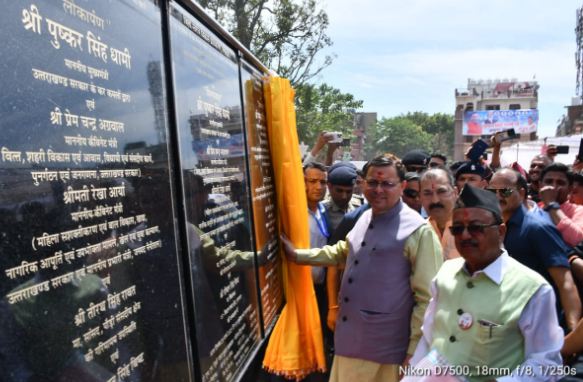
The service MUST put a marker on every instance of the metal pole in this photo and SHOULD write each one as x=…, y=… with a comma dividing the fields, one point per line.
x=517, y=147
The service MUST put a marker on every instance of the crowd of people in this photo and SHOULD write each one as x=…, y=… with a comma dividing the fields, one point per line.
x=424, y=266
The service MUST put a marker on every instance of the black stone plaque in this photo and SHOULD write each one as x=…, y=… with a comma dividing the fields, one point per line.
x=90, y=277
x=213, y=167
x=263, y=195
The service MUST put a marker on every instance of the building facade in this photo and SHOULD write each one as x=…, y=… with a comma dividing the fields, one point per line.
x=363, y=122
x=572, y=122
x=486, y=95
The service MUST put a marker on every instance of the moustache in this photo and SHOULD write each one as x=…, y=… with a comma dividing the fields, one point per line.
x=469, y=243
x=435, y=205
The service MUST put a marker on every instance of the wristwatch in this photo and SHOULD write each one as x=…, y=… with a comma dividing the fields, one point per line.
x=552, y=206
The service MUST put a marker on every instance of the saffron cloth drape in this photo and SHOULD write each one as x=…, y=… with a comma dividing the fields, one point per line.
x=295, y=348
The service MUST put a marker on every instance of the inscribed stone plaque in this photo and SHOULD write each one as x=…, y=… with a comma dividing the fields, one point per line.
x=90, y=279
x=213, y=167
x=263, y=195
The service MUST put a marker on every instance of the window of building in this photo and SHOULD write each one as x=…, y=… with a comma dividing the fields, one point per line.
x=514, y=106
x=492, y=107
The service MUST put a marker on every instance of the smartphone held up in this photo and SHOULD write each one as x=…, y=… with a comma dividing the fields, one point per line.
x=336, y=137
x=508, y=135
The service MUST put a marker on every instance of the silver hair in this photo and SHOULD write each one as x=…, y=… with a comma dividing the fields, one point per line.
x=434, y=173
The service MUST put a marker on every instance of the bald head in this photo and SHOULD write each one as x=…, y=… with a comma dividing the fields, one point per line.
x=514, y=178
x=508, y=173
x=510, y=188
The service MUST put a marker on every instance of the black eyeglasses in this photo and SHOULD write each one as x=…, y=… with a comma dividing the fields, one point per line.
x=385, y=185
x=411, y=193
x=473, y=229
x=503, y=192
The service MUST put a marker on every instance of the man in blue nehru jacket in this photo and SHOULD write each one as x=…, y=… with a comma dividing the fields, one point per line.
x=391, y=256
x=489, y=314
x=535, y=242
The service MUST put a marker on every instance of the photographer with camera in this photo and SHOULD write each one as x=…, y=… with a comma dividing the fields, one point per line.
x=332, y=139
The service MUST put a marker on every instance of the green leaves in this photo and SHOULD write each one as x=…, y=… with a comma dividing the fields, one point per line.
x=417, y=130
x=286, y=35
x=324, y=108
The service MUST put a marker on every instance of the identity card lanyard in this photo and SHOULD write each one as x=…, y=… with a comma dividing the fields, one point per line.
x=319, y=215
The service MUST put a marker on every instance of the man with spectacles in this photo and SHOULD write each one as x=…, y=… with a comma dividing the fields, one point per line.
x=487, y=309
x=415, y=160
x=391, y=255
x=438, y=197
x=535, y=242
x=411, y=191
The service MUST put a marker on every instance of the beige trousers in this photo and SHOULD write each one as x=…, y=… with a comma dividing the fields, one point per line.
x=345, y=369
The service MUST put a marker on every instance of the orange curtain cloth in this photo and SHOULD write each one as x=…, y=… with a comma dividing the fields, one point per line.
x=295, y=348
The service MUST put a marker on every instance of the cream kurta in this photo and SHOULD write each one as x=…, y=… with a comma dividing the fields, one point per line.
x=423, y=250
x=447, y=240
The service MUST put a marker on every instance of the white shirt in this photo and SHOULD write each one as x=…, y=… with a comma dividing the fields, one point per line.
x=543, y=337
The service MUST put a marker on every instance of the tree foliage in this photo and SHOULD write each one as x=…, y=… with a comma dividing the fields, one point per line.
x=396, y=135
x=324, y=108
x=286, y=35
x=441, y=128
x=417, y=130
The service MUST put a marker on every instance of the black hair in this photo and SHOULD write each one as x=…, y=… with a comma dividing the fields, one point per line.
x=440, y=156
x=316, y=165
x=497, y=218
x=578, y=177
x=558, y=167
x=521, y=181
x=383, y=161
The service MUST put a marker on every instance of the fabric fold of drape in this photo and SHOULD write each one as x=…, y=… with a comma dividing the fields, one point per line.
x=295, y=348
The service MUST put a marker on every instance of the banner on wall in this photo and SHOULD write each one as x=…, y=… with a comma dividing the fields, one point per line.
x=488, y=122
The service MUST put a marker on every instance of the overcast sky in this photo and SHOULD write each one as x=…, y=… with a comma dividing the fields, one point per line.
x=400, y=56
